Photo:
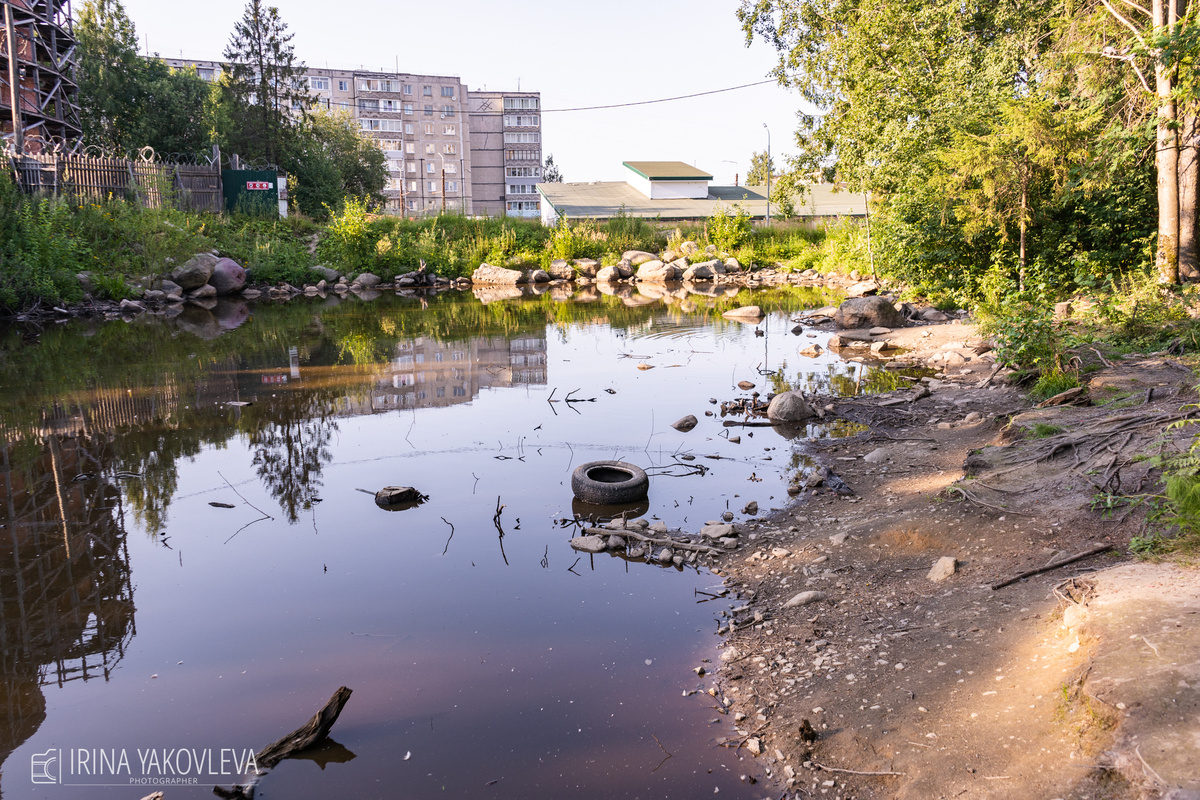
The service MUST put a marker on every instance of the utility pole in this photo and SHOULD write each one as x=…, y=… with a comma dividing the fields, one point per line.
x=768, y=220
x=443, y=186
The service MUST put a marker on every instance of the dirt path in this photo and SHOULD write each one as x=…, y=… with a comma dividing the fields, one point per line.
x=1083, y=681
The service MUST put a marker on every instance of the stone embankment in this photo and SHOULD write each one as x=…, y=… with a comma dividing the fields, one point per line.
x=637, y=277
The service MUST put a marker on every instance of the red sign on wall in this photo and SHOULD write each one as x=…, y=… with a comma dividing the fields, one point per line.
x=258, y=186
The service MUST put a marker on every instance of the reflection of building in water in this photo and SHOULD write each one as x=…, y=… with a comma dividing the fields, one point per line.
x=427, y=373
x=66, y=600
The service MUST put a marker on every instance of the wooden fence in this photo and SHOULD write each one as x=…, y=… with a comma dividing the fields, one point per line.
x=188, y=187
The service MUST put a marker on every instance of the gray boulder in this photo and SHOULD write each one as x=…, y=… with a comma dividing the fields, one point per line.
x=685, y=424
x=733, y=265
x=868, y=312
x=536, y=276
x=586, y=266
x=608, y=275
x=589, y=544
x=637, y=257
x=789, y=407
x=227, y=277
x=933, y=315
x=943, y=568
x=331, y=275
x=204, y=292
x=688, y=247
x=195, y=272
x=86, y=282
x=486, y=273
x=367, y=280
x=562, y=269
x=862, y=289
x=658, y=272
x=745, y=314
x=171, y=289
x=703, y=271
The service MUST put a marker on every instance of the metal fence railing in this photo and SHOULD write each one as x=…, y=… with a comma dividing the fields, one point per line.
x=188, y=187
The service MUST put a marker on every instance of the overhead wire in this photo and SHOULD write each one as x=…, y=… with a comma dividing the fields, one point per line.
x=661, y=100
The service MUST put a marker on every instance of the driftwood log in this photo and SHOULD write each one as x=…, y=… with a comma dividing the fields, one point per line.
x=304, y=737
x=1053, y=565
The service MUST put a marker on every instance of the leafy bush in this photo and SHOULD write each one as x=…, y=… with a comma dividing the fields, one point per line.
x=728, y=228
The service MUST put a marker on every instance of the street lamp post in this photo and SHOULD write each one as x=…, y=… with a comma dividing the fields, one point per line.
x=736, y=175
x=768, y=220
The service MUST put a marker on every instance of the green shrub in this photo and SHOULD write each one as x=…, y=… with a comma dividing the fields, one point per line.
x=728, y=228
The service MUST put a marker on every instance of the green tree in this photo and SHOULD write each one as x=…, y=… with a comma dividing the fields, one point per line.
x=109, y=72
x=331, y=161
x=265, y=86
x=997, y=178
x=551, y=172
x=173, y=119
x=761, y=165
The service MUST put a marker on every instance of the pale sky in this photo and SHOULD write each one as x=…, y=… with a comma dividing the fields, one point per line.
x=574, y=53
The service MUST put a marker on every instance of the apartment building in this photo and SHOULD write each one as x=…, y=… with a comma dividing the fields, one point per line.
x=447, y=148
x=506, y=147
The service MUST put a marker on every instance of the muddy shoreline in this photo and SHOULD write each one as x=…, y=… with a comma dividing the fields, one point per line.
x=897, y=682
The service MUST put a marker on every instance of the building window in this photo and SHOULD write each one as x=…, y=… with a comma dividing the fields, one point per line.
x=448, y=91
x=408, y=128
x=448, y=111
x=412, y=166
x=521, y=206
x=522, y=172
x=410, y=147
x=412, y=186
x=368, y=105
x=520, y=104
x=450, y=129
x=521, y=138
x=389, y=144
x=379, y=124
x=431, y=186
x=430, y=168
x=451, y=168
x=396, y=166
x=451, y=186
x=429, y=129
x=408, y=89
x=343, y=86
x=522, y=188
x=412, y=205
x=429, y=148
x=521, y=121
x=429, y=111
x=206, y=74
x=460, y=391
x=408, y=109
x=316, y=84
x=390, y=105
x=427, y=91
x=522, y=155
x=449, y=148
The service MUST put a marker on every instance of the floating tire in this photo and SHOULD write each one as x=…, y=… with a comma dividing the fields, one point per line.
x=608, y=483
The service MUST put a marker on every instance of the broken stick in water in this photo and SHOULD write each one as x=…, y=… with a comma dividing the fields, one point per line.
x=302, y=738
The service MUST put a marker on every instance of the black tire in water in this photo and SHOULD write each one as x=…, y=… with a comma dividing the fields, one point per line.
x=609, y=483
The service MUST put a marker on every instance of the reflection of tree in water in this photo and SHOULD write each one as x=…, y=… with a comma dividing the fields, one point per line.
x=291, y=446
x=66, y=599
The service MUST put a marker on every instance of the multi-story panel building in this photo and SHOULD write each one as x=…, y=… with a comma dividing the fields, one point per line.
x=506, y=142
x=447, y=148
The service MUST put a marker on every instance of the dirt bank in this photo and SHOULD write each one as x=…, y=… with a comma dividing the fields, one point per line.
x=1080, y=682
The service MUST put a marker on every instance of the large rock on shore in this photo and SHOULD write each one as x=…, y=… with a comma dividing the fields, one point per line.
x=227, y=277
x=789, y=407
x=658, y=272
x=195, y=272
x=638, y=257
x=608, y=275
x=751, y=314
x=868, y=312
x=486, y=273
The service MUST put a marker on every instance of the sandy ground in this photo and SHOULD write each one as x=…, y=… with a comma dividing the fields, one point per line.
x=1080, y=682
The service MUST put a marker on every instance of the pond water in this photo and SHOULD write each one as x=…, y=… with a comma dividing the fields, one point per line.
x=486, y=657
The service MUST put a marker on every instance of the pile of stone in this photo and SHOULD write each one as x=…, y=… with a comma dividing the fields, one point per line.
x=654, y=543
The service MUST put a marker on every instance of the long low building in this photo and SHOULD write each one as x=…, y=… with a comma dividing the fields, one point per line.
x=673, y=190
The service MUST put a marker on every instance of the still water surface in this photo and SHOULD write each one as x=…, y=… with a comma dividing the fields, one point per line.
x=486, y=657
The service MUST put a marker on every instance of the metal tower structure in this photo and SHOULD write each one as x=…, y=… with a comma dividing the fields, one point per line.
x=38, y=92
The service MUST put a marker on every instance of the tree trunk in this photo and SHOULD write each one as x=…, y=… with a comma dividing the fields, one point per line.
x=1166, y=162
x=1189, y=177
x=1024, y=211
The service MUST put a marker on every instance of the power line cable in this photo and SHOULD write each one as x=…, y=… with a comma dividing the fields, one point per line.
x=663, y=100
